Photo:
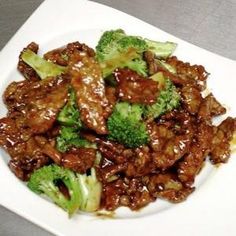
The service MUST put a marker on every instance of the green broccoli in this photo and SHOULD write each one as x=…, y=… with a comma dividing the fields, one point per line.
x=91, y=190
x=42, y=67
x=69, y=118
x=115, y=49
x=44, y=181
x=69, y=115
x=114, y=40
x=167, y=100
x=161, y=49
x=84, y=190
x=125, y=125
x=69, y=137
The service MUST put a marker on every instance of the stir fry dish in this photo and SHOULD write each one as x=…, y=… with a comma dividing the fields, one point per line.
x=122, y=125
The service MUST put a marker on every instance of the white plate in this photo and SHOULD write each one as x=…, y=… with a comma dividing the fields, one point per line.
x=210, y=210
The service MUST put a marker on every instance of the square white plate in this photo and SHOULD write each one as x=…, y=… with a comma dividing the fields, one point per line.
x=210, y=210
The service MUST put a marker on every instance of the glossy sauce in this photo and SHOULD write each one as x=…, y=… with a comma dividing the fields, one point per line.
x=89, y=85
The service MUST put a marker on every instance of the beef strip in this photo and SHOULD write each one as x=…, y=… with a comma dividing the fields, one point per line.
x=41, y=113
x=17, y=94
x=112, y=193
x=189, y=73
x=141, y=163
x=134, y=88
x=26, y=154
x=137, y=194
x=39, y=101
x=47, y=147
x=86, y=79
x=79, y=159
x=193, y=161
x=113, y=151
x=195, y=75
x=209, y=108
x=111, y=171
x=61, y=55
x=170, y=142
x=125, y=192
x=191, y=98
x=220, y=151
x=173, y=150
x=167, y=186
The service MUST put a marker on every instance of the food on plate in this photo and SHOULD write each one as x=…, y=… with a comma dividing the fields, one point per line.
x=71, y=191
x=121, y=125
x=115, y=49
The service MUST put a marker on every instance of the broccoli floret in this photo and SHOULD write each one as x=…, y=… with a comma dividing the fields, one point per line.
x=69, y=115
x=167, y=100
x=84, y=190
x=44, y=181
x=69, y=118
x=108, y=42
x=91, y=190
x=138, y=65
x=117, y=50
x=161, y=49
x=135, y=42
x=42, y=67
x=125, y=125
x=113, y=42
x=69, y=137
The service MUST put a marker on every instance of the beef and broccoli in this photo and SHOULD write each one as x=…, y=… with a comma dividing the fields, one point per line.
x=121, y=125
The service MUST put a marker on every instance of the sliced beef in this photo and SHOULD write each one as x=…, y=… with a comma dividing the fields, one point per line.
x=220, y=151
x=79, y=159
x=112, y=193
x=167, y=186
x=109, y=172
x=191, y=98
x=17, y=94
x=86, y=79
x=171, y=139
x=26, y=154
x=209, y=108
x=141, y=163
x=134, y=88
x=193, y=161
x=41, y=113
x=189, y=73
x=61, y=55
x=125, y=192
x=113, y=151
x=38, y=101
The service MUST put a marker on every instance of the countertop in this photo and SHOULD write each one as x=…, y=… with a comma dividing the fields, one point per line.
x=210, y=24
